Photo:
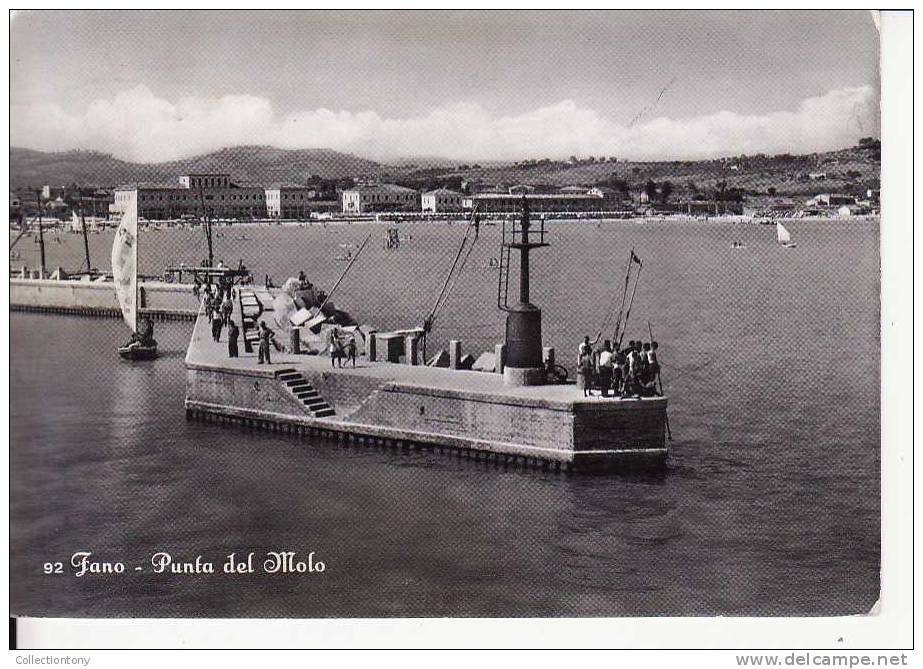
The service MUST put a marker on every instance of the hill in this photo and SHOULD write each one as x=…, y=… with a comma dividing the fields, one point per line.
x=849, y=170
x=246, y=164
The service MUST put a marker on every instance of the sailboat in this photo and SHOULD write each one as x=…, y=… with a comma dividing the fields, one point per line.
x=785, y=238
x=125, y=275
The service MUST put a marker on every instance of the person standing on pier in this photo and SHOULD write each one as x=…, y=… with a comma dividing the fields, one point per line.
x=351, y=350
x=217, y=322
x=227, y=308
x=634, y=369
x=605, y=368
x=267, y=339
x=336, y=348
x=584, y=348
x=233, y=334
x=585, y=368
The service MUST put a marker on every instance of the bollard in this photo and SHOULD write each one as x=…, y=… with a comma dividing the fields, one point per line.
x=296, y=340
x=500, y=357
x=412, y=349
x=548, y=356
x=454, y=353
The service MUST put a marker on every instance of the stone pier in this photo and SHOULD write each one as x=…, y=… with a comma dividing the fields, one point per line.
x=433, y=407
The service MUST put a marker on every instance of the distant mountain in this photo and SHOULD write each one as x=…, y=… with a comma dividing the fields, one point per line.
x=247, y=164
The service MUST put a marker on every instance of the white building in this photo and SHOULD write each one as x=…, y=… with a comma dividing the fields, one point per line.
x=289, y=201
x=441, y=200
x=830, y=200
x=379, y=197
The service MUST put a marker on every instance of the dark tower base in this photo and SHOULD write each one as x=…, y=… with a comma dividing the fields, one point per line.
x=524, y=346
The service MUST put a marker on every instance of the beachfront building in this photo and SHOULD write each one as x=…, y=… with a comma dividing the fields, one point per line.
x=605, y=192
x=170, y=202
x=830, y=200
x=289, y=201
x=379, y=198
x=538, y=202
x=440, y=201
x=705, y=207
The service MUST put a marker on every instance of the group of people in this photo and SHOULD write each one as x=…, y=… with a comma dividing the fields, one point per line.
x=340, y=350
x=218, y=307
x=630, y=372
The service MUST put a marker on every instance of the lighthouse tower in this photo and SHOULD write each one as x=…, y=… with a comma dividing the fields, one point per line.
x=524, y=320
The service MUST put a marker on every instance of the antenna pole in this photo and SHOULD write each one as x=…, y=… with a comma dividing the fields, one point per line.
x=208, y=232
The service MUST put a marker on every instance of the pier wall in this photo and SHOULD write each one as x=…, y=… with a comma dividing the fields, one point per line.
x=571, y=434
x=531, y=429
x=98, y=298
x=250, y=393
x=633, y=424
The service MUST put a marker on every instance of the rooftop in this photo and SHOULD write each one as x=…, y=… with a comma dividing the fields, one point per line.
x=534, y=196
x=389, y=188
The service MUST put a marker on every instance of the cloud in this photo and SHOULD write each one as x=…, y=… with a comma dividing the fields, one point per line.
x=137, y=125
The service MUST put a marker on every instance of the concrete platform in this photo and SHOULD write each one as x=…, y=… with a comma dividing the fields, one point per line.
x=467, y=410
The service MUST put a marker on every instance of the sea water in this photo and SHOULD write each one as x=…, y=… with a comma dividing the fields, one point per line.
x=770, y=503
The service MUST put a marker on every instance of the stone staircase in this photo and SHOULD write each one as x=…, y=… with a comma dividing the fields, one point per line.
x=305, y=392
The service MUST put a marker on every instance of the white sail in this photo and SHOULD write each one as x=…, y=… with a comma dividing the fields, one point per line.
x=125, y=265
x=75, y=223
x=784, y=236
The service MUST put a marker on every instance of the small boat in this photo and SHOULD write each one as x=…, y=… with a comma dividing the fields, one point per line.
x=138, y=352
x=142, y=345
x=785, y=238
x=738, y=245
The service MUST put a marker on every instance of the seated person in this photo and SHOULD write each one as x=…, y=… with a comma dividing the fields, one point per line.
x=144, y=336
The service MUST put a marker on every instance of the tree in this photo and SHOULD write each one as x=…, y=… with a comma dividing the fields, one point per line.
x=666, y=189
x=771, y=190
x=650, y=189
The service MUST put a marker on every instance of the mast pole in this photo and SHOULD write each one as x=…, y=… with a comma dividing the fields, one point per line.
x=618, y=323
x=137, y=267
x=86, y=241
x=343, y=274
x=631, y=301
x=41, y=235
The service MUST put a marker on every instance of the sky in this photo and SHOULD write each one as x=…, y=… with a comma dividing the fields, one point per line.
x=159, y=85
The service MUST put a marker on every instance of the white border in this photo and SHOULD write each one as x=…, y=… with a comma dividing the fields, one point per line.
x=890, y=627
